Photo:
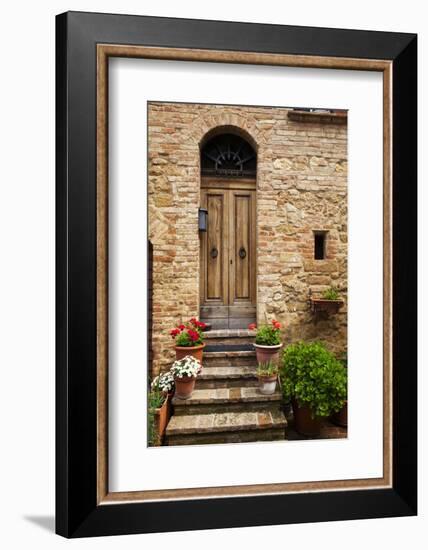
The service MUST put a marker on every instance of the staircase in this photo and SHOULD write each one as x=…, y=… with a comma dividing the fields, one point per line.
x=226, y=405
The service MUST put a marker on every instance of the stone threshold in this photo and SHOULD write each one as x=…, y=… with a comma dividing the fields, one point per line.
x=226, y=395
x=229, y=333
x=225, y=422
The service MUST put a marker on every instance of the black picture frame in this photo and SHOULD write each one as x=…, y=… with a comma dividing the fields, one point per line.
x=77, y=512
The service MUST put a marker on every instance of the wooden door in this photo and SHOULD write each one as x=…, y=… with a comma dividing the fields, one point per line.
x=228, y=257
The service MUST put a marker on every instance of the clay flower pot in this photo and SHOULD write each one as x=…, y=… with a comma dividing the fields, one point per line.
x=184, y=386
x=265, y=354
x=329, y=306
x=303, y=421
x=267, y=384
x=195, y=351
x=341, y=417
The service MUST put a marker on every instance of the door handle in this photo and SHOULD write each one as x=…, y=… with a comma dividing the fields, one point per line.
x=214, y=253
x=242, y=253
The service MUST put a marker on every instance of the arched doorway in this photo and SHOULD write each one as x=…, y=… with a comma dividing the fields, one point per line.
x=228, y=246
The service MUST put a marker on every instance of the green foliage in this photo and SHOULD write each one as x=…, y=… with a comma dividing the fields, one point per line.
x=268, y=335
x=152, y=435
x=331, y=294
x=156, y=399
x=343, y=358
x=314, y=377
x=267, y=369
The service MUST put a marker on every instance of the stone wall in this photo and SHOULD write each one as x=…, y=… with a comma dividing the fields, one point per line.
x=301, y=188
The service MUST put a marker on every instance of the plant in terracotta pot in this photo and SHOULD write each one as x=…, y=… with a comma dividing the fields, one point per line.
x=331, y=294
x=330, y=301
x=164, y=383
x=341, y=417
x=267, y=373
x=157, y=416
x=189, y=339
x=315, y=381
x=268, y=341
x=185, y=372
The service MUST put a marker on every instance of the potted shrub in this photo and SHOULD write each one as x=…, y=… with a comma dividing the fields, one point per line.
x=268, y=341
x=189, y=339
x=329, y=302
x=267, y=373
x=315, y=381
x=164, y=383
x=185, y=372
x=341, y=418
x=157, y=417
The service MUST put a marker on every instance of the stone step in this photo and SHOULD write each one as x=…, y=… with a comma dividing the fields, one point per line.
x=228, y=323
x=228, y=347
x=229, y=336
x=228, y=427
x=229, y=359
x=217, y=400
x=227, y=377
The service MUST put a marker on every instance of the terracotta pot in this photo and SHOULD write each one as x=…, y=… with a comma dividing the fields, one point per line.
x=341, y=417
x=303, y=421
x=169, y=410
x=184, y=387
x=267, y=384
x=195, y=351
x=329, y=306
x=267, y=353
x=161, y=417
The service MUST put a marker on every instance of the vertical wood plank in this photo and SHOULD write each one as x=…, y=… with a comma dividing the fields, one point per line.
x=242, y=220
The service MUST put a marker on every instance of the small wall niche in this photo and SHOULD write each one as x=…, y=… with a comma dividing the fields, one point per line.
x=320, y=245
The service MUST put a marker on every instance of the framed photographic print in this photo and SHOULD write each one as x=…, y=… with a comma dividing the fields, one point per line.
x=236, y=274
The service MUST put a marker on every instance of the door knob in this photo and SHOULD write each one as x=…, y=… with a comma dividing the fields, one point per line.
x=214, y=253
x=242, y=253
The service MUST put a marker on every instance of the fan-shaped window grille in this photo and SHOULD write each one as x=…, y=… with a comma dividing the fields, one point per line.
x=228, y=155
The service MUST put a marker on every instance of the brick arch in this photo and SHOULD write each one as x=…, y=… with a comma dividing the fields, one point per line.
x=244, y=125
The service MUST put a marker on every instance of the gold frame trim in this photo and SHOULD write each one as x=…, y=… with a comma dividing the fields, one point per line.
x=104, y=51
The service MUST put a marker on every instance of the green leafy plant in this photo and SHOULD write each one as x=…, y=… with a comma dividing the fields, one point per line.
x=156, y=399
x=331, y=294
x=268, y=335
x=312, y=376
x=267, y=369
x=151, y=435
x=343, y=358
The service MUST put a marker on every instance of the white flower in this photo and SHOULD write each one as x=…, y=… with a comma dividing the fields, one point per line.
x=164, y=382
x=188, y=366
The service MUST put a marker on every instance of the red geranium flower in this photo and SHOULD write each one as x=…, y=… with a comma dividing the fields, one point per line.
x=252, y=326
x=193, y=335
x=174, y=332
x=277, y=325
x=181, y=327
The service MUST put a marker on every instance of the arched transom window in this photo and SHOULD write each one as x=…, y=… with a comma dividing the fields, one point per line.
x=228, y=155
